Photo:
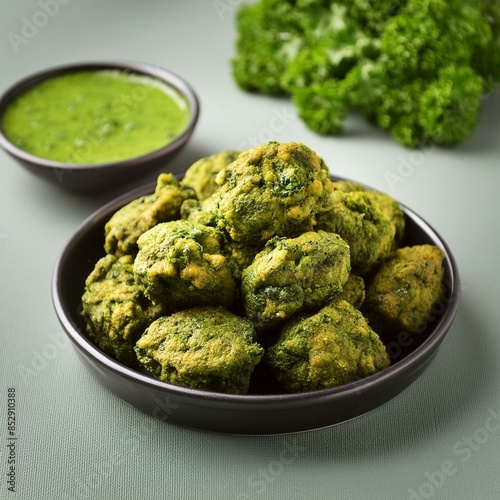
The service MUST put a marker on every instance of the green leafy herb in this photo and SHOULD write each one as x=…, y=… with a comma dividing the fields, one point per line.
x=416, y=68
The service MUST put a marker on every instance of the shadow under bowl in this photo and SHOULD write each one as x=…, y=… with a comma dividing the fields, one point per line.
x=83, y=177
x=259, y=412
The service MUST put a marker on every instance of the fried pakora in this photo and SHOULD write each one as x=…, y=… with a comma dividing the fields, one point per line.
x=368, y=232
x=292, y=275
x=405, y=287
x=353, y=291
x=115, y=309
x=127, y=224
x=206, y=348
x=240, y=256
x=182, y=263
x=271, y=190
x=202, y=173
x=202, y=212
x=332, y=347
x=391, y=209
x=385, y=203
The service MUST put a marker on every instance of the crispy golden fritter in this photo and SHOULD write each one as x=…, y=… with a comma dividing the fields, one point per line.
x=115, y=309
x=330, y=348
x=353, y=291
x=404, y=289
x=368, y=232
x=240, y=256
x=204, y=348
x=391, y=209
x=143, y=213
x=202, y=212
x=202, y=173
x=271, y=190
x=291, y=275
x=181, y=263
x=385, y=203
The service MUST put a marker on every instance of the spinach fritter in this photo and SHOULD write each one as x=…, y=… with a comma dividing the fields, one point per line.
x=182, y=264
x=143, y=213
x=202, y=173
x=330, y=348
x=115, y=309
x=391, y=210
x=202, y=212
x=205, y=348
x=368, y=232
x=271, y=190
x=404, y=289
x=353, y=291
x=385, y=203
x=292, y=275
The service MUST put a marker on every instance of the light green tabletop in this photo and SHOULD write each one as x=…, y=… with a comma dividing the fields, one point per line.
x=439, y=439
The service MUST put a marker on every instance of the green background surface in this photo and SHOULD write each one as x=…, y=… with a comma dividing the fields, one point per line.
x=438, y=439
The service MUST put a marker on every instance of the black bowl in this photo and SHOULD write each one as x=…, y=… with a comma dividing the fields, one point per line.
x=258, y=412
x=96, y=177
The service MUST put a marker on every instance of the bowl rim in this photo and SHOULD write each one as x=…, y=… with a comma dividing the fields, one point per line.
x=419, y=356
x=164, y=75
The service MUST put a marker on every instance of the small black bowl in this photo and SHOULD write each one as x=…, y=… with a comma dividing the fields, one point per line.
x=96, y=177
x=258, y=412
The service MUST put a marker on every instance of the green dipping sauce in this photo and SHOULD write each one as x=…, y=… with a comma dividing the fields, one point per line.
x=95, y=117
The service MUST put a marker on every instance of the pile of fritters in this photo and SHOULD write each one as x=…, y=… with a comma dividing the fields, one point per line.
x=259, y=257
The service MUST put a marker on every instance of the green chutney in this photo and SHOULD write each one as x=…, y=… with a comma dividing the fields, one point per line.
x=95, y=117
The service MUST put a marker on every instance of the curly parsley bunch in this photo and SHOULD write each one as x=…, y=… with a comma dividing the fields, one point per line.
x=416, y=68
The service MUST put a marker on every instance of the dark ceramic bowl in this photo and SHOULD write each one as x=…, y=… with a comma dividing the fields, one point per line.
x=261, y=411
x=96, y=177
